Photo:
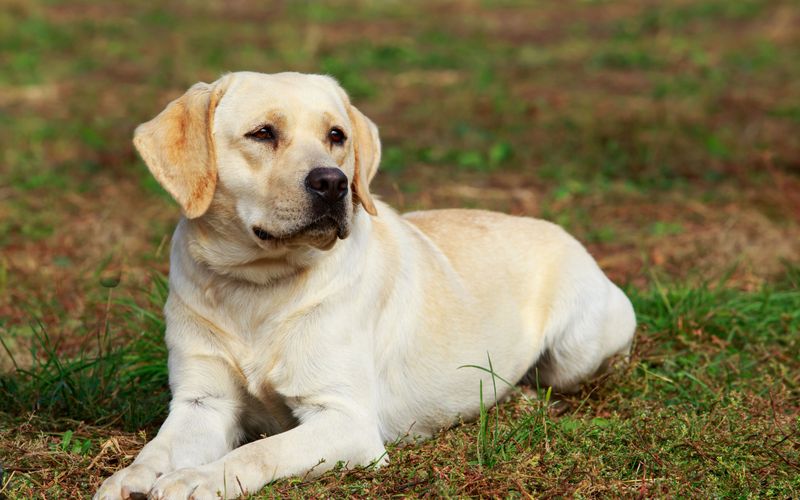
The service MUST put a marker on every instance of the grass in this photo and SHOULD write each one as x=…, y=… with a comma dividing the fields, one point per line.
x=707, y=406
x=661, y=134
x=110, y=383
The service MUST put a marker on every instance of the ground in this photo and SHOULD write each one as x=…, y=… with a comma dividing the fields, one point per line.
x=664, y=135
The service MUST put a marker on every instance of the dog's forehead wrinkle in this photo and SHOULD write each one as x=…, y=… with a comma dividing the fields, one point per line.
x=332, y=120
x=276, y=118
x=288, y=92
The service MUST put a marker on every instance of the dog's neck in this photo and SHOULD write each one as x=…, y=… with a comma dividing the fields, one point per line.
x=222, y=248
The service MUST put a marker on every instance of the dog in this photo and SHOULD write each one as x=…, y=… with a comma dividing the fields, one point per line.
x=303, y=309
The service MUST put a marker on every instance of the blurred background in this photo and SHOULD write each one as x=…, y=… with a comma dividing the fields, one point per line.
x=665, y=135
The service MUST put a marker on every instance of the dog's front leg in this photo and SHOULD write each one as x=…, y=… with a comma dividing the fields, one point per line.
x=202, y=425
x=315, y=446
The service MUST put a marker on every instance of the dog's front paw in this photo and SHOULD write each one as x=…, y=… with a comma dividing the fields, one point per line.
x=200, y=483
x=130, y=483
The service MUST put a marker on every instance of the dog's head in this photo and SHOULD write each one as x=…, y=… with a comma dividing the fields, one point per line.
x=285, y=155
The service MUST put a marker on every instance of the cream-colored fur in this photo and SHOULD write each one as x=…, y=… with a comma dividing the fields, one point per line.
x=331, y=338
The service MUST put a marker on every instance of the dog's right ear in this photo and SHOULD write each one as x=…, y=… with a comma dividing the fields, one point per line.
x=178, y=147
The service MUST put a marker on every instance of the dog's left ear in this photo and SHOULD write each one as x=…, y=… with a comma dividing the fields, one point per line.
x=178, y=147
x=368, y=155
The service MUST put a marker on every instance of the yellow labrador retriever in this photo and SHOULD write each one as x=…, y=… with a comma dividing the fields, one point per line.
x=304, y=310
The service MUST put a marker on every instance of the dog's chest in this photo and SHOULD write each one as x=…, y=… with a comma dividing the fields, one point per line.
x=266, y=410
x=288, y=344
x=276, y=356
x=255, y=354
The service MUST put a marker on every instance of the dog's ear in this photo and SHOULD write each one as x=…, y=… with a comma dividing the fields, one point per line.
x=367, y=146
x=178, y=147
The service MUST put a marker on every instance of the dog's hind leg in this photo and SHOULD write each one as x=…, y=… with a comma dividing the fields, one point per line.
x=579, y=347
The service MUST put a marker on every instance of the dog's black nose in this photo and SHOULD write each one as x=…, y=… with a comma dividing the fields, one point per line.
x=330, y=184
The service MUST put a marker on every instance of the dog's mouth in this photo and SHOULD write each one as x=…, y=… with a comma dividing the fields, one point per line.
x=261, y=234
x=321, y=228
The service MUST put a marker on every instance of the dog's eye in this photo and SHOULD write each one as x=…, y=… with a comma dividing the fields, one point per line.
x=336, y=136
x=264, y=134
